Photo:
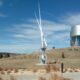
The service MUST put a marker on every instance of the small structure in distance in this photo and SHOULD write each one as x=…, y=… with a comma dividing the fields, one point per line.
x=75, y=35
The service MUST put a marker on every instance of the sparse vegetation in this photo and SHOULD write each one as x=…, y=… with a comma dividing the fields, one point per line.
x=52, y=68
x=2, y=72
x=9, y=71
x=55, y=77
x=1, y=56
x=63, y=56
x=12, y=78
x=15, y=70
x=1, y=69
x=41, y=78
x=1, y=78
x=69, y=56
x=34, y=70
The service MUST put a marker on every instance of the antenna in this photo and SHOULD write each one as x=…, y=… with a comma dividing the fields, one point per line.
x=43, y=57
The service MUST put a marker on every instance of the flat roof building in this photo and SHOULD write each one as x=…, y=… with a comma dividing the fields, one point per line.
x=75, y=36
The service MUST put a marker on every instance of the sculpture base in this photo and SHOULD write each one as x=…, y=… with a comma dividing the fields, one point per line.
x=40, y=64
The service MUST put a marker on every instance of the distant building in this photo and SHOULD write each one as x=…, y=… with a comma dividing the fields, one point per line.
x=6, y=54
x=75, y=36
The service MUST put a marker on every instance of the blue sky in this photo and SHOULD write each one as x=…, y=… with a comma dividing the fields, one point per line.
x=19, y=31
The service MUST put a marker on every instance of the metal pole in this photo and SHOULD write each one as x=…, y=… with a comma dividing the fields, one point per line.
x=62, y=67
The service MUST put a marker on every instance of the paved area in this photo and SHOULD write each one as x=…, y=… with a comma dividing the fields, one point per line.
x=74, y=76
x=35, y=76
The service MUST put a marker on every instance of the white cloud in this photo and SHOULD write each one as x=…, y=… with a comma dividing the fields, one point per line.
x=1, y=3
x=19, y=36
x=30, y=31
x=71, y=19
x=56, y=33
x=3, y=15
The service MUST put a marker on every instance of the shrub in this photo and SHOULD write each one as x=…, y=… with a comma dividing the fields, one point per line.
x=16, y=70
x=12, y=78
x=54, y=77
x=34, y=70
x=62, y=55
x=41, y=78
x=1, y=69
x=2, y=72
x=51, y=68
x=1, y=78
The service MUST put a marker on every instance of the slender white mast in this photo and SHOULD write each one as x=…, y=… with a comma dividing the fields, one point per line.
x=43, y=57
x=43, y=41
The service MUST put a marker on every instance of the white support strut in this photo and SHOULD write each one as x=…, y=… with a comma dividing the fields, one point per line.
x=43, y=57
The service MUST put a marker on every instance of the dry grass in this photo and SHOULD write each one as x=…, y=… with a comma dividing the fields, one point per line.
x=6, y=69
x=41, y=78
x=2, y=72
x=34, y=70
x=1, y=78
x=54, y=77
x=1, y=69
x=15, y=70
x=54, y=73
x=52, y=68
x=9, y=71
x=72, y=58
x=12, y=78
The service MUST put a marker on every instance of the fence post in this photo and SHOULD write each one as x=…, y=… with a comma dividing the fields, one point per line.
x=62, y=67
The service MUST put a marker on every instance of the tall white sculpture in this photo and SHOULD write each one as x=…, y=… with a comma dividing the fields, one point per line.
x=43, y=56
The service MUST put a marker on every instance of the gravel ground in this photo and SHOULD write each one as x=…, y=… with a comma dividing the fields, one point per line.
x=35, y=76
x=74, y=76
